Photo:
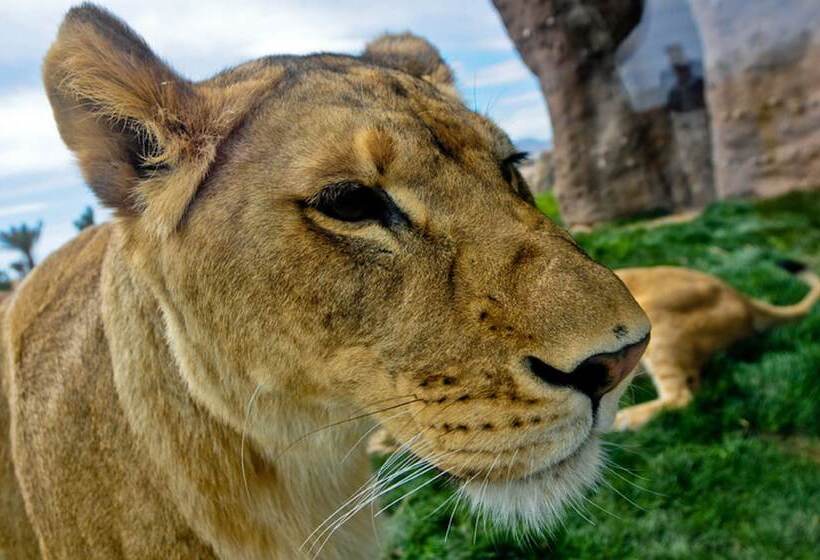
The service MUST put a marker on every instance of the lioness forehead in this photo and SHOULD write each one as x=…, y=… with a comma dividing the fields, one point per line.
x=374, y=94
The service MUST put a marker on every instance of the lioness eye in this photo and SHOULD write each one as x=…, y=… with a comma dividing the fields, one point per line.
x=351, y=202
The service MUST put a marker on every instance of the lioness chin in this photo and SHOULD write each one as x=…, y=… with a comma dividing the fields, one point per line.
x=302, y=246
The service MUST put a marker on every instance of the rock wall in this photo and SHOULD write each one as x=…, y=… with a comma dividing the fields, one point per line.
x=763, y=92
x=691, y=149
x=602, y=170
x=540, y=172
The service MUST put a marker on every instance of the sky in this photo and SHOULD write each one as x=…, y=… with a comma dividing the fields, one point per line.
x=38, y=177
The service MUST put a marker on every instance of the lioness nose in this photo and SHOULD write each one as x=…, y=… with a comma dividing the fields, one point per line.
x=596, y=375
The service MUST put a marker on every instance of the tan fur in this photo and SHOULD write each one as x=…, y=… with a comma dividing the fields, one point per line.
x=181, y=382
x=414, y=55
x=694, y=315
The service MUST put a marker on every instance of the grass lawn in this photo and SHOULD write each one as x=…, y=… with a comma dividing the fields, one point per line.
x=737, y=474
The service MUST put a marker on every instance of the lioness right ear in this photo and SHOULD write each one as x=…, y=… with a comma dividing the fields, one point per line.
x=144, y=136
x=414, y=55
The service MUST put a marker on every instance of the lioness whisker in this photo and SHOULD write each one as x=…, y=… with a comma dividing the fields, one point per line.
x=577, y=509
x=375, y=493
x=608, y=465
x=512, y=463
x=400, y=454
x=634, y=449
x=306, y=435
x=397, y=500
x=456, y=495
x=611, y=462
x=366, y=487
x=621, y=494
x=399, y=458
x=600, y=507
x=370, y=431
x=481, y=495
x=460, y=493
x=377, y=488
x=442, y=505
x=248, y=410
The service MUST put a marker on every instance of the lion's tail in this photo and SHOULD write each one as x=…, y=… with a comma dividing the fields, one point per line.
x=767, y=315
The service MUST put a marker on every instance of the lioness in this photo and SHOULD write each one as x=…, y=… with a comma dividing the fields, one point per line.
x=302, y=246
x=694, y=315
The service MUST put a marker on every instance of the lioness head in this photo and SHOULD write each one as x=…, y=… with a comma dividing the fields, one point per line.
x=342, y=233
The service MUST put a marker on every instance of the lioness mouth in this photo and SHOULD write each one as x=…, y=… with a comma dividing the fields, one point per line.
x=466, y=474
x=536, y=501
x=573, y=455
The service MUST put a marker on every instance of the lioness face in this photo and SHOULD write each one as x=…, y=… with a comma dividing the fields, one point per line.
x=386, y=253
x=384, y=258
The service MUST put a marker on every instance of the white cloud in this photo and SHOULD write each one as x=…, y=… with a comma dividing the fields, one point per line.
x=202, y=36
x=526, y=98
x=21, y=209
x=530, y=121
x=41, y=185
x=507, y=72
x=29, y=141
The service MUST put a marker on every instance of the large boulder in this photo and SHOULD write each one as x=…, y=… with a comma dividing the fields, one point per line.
x=763, y=92
x=539, y=172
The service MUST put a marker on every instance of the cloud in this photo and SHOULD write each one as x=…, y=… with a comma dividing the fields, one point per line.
x=526, y=98
x=21, y=209
x=39, y=185
x=529, y=121
x=203, y=36
x=29, y=141
x=507, y=72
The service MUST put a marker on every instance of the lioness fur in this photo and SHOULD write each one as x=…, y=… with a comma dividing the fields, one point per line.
x=195, y=378
x=693, y=316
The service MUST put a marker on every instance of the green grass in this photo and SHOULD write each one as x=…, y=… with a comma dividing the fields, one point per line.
x=546, y=202
x=735, y=475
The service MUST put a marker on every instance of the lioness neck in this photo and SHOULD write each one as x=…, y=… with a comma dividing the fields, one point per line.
x=234, y=453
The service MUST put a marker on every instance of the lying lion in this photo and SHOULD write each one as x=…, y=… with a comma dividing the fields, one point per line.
x=302, y=246
x=694, y=315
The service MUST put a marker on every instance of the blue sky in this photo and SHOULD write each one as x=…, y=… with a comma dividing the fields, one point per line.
x=38, y=178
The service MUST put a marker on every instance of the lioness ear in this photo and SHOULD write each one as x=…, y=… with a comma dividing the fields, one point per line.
x=414, y=55
x=144, y=136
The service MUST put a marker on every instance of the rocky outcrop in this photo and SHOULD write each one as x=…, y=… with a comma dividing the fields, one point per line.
x=602, y=167
x=763, y=92
x=752, y=129
x=539, y=172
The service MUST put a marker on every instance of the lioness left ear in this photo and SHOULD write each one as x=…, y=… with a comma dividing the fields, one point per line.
x=144, y=137
x=414, y=55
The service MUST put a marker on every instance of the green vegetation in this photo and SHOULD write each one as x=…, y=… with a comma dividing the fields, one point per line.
x=737, y=474
x=85, y=220
x=22, y=239
x=546, y=202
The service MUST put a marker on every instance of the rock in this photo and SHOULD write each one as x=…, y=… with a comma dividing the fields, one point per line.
x=763, y=72
x=539, y=172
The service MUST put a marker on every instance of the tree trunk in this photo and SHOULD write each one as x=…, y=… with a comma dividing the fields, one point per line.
x=604, y=168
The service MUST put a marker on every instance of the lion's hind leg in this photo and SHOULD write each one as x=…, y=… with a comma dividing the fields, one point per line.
x=674, y=384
